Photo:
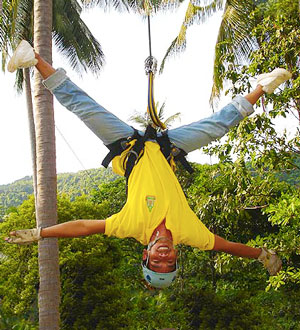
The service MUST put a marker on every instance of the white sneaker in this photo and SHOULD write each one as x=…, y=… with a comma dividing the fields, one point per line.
x=24, y=236
x=270, y=81
x=270, y=260
x=23, y=57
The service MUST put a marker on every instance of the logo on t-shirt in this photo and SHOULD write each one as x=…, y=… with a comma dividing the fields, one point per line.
x=150, y=202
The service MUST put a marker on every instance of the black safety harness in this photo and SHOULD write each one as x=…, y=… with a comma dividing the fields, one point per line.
x=168, y=149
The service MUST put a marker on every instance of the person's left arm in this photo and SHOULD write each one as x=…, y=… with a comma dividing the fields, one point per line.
x=235, y=249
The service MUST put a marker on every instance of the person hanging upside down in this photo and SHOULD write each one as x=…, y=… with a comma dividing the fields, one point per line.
x=156, y=212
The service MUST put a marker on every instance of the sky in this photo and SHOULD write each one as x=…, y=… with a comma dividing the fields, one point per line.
x=121, y=88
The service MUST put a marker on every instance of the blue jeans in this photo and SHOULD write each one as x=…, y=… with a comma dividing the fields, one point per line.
x=110, y=128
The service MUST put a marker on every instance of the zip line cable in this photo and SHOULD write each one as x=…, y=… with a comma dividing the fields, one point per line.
x=149, y=35
x=151, y=68
x=74, y=153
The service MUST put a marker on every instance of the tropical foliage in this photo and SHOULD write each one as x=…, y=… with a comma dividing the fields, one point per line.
x=101, y=277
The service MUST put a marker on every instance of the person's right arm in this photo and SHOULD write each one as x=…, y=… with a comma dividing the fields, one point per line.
x=71, y=229
x=74, y=229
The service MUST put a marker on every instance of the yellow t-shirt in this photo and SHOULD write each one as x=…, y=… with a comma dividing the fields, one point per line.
x=155, y=194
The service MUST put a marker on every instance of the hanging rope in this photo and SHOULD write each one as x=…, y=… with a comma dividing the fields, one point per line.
x=150, y=69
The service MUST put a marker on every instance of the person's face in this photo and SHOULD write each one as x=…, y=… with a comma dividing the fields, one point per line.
x=162, y=256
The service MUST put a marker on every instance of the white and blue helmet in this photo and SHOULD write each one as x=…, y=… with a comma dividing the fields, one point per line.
x=159, y=280
x=155, y=279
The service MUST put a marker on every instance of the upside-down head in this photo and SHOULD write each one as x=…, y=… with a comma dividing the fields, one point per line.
x=160, y=263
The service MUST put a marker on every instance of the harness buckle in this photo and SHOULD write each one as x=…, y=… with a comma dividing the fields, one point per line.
x=135, y=154
x=124, y=144
x=175, y=151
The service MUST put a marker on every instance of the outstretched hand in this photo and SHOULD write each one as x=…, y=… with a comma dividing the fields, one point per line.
x=24, y=236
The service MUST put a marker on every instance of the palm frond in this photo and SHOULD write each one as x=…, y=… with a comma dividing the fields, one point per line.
x=172, y=118
x=10, y=28
x=234, y=41
x=143, y=119
x=195, y=14
x=161, y=112
x=143, y=7
x=70, y=34
x=73, y=38
x=119, y=5
x=24, y=22
x=6, y=30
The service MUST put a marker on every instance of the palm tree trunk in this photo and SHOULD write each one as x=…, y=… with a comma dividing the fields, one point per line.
x=31, y=127
x=46, y=212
